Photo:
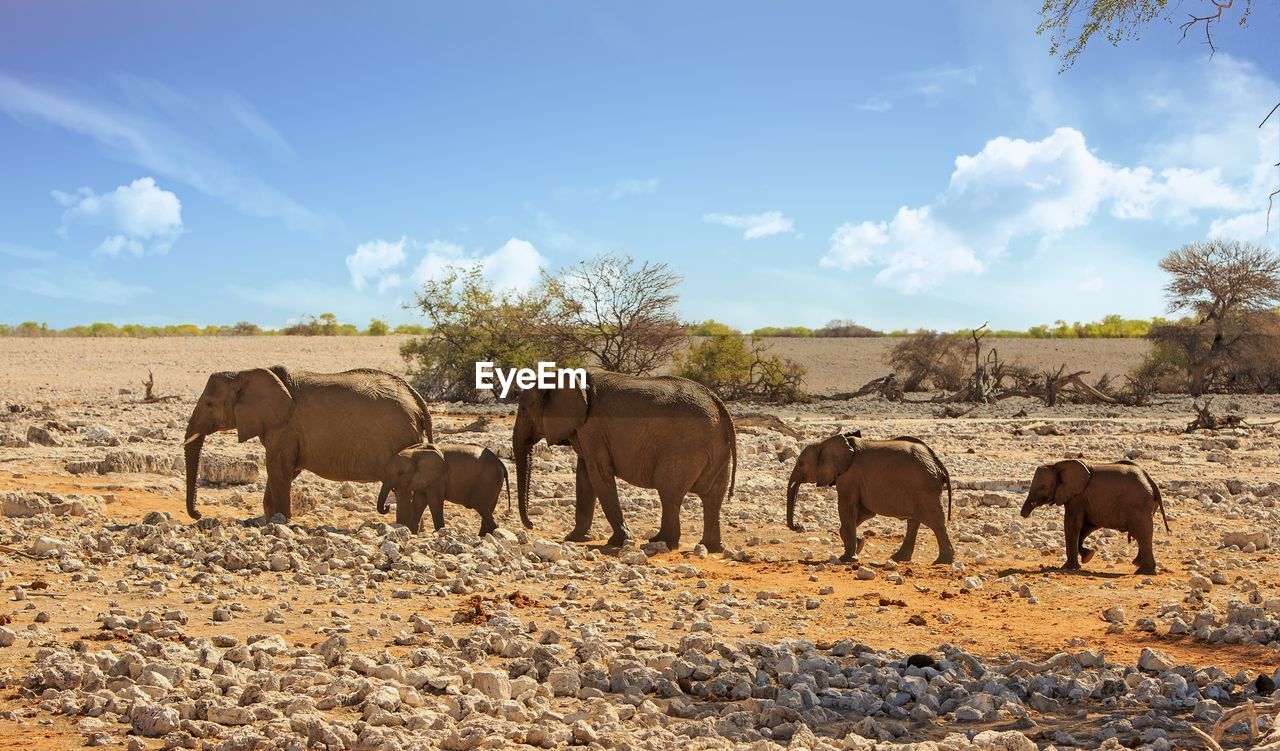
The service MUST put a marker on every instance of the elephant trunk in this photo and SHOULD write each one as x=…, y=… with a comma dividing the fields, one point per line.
x=1028, y=507
x=522, y=451
x=192, y=449
x=793, y=489
x=382, y=497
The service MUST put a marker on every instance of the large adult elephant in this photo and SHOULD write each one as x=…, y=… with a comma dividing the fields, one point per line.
x=341, y=426
x=666, y=433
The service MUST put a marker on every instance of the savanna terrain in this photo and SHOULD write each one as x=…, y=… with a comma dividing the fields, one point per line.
x=297, y=631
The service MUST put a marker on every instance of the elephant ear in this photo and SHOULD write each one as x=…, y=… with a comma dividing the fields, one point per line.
x=563, y=412
x=1073, y=478
x=429, y=468
x=262, y=403
x=835, y=456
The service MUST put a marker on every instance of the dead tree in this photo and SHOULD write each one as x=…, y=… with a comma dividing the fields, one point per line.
x=150, y=386
x=1207, y=420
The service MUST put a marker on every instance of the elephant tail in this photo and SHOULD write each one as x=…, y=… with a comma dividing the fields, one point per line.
x=726, y=422
x=1159, y=499
x=506, y=480
x=943, y=474
x=424, y=423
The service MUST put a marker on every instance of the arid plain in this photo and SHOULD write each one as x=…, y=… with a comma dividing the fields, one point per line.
x=481, y=637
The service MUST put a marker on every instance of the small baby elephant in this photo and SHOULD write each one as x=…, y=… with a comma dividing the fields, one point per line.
x=1119, y=496
x=901, y=478
x=428, y=474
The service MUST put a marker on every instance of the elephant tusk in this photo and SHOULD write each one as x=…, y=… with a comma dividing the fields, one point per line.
x=192, y=438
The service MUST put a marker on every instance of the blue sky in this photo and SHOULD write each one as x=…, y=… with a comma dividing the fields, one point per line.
x=901, y=166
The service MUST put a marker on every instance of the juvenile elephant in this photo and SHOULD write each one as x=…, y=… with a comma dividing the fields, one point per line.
x=341, y=426
x=664, y=432
x=1119, y=496
x=427, y=475
x=902, y=478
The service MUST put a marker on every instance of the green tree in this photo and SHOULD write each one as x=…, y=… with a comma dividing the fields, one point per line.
x=377, y=327
x=727, y=365
x=470, y=322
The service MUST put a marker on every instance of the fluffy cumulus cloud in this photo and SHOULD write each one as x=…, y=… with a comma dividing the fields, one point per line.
x=753, y=226
x=142, y=218
x=373, y=262
x=1017, y=190
x=383, y=265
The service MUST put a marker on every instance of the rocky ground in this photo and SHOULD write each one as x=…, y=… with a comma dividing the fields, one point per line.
x=126, y=624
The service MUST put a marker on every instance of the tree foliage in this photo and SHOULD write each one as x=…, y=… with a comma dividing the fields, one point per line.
x=1071, y=24
x=735, y=369
x=929, y=358
x=617, y=313
x=470, y=322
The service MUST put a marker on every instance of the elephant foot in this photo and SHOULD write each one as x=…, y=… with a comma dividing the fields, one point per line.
x=619, y=538
x=1071, y=566
x=486, y=529
x=849, y=557
x=1147, y=570
x=672, y=543
x=1086, y=555
x=857, y=549
x=579, y=536
x=904, y=556
x=712, y=547
x=945, y=559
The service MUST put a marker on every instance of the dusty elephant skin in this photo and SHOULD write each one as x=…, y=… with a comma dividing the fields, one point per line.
x=427, y=475
x=902, y=478
x=341, y=426
x=665, y=433
x=1120, y=496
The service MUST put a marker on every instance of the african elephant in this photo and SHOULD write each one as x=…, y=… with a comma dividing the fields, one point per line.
x=341, y=426
x=427, y=475
x=902, y=478
x=661, y=432
x=1118, y=496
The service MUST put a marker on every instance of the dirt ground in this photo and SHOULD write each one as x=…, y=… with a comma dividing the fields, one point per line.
x=1025, y=605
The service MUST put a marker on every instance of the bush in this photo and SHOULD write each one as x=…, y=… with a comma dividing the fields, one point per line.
x=412, y=329
x=796, y=332
x=1247, y=358
x=326, y=324
x=243, y=328
x=929, y=358
x=728, y=366
x=470, y=323
x=378, y=327
x=845, y=328
x=711, y=327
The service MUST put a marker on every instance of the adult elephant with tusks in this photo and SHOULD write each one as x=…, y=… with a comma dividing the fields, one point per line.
x=662, y=432
x=340, y=426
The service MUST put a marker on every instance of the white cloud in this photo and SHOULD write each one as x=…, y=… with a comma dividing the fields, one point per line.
x=145, y=219
x=1015, y=189
x=753, y=226
x=372, y=261
x=513, y=266
x=876, y=104
x=156, y=146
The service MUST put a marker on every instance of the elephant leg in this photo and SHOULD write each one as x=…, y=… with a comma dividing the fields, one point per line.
x=275, y=499
x=1072, y=523
x=606, y=489
x=669, y=529
x=849, y=520
x=1143, y=533
x=1086, y=554
x=711, y=504
x=936, y=521
x=584, y=504
x=404, y=509
x=908, y=548
x=435, y=501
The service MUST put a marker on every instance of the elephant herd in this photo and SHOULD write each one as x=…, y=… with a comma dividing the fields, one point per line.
x=666, y=433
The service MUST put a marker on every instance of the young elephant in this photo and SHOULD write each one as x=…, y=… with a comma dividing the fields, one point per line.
x=1112, y=496
x=902, y=478
x=427, y=475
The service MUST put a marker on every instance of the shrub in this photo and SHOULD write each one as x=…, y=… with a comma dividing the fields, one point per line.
x=929, y=358
x=413, y=329
x=846, y=328
x=470, y=323
x=728, y=366
x=243, y=328
x=797, y=332
x=377, y=327
x=711, y=327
